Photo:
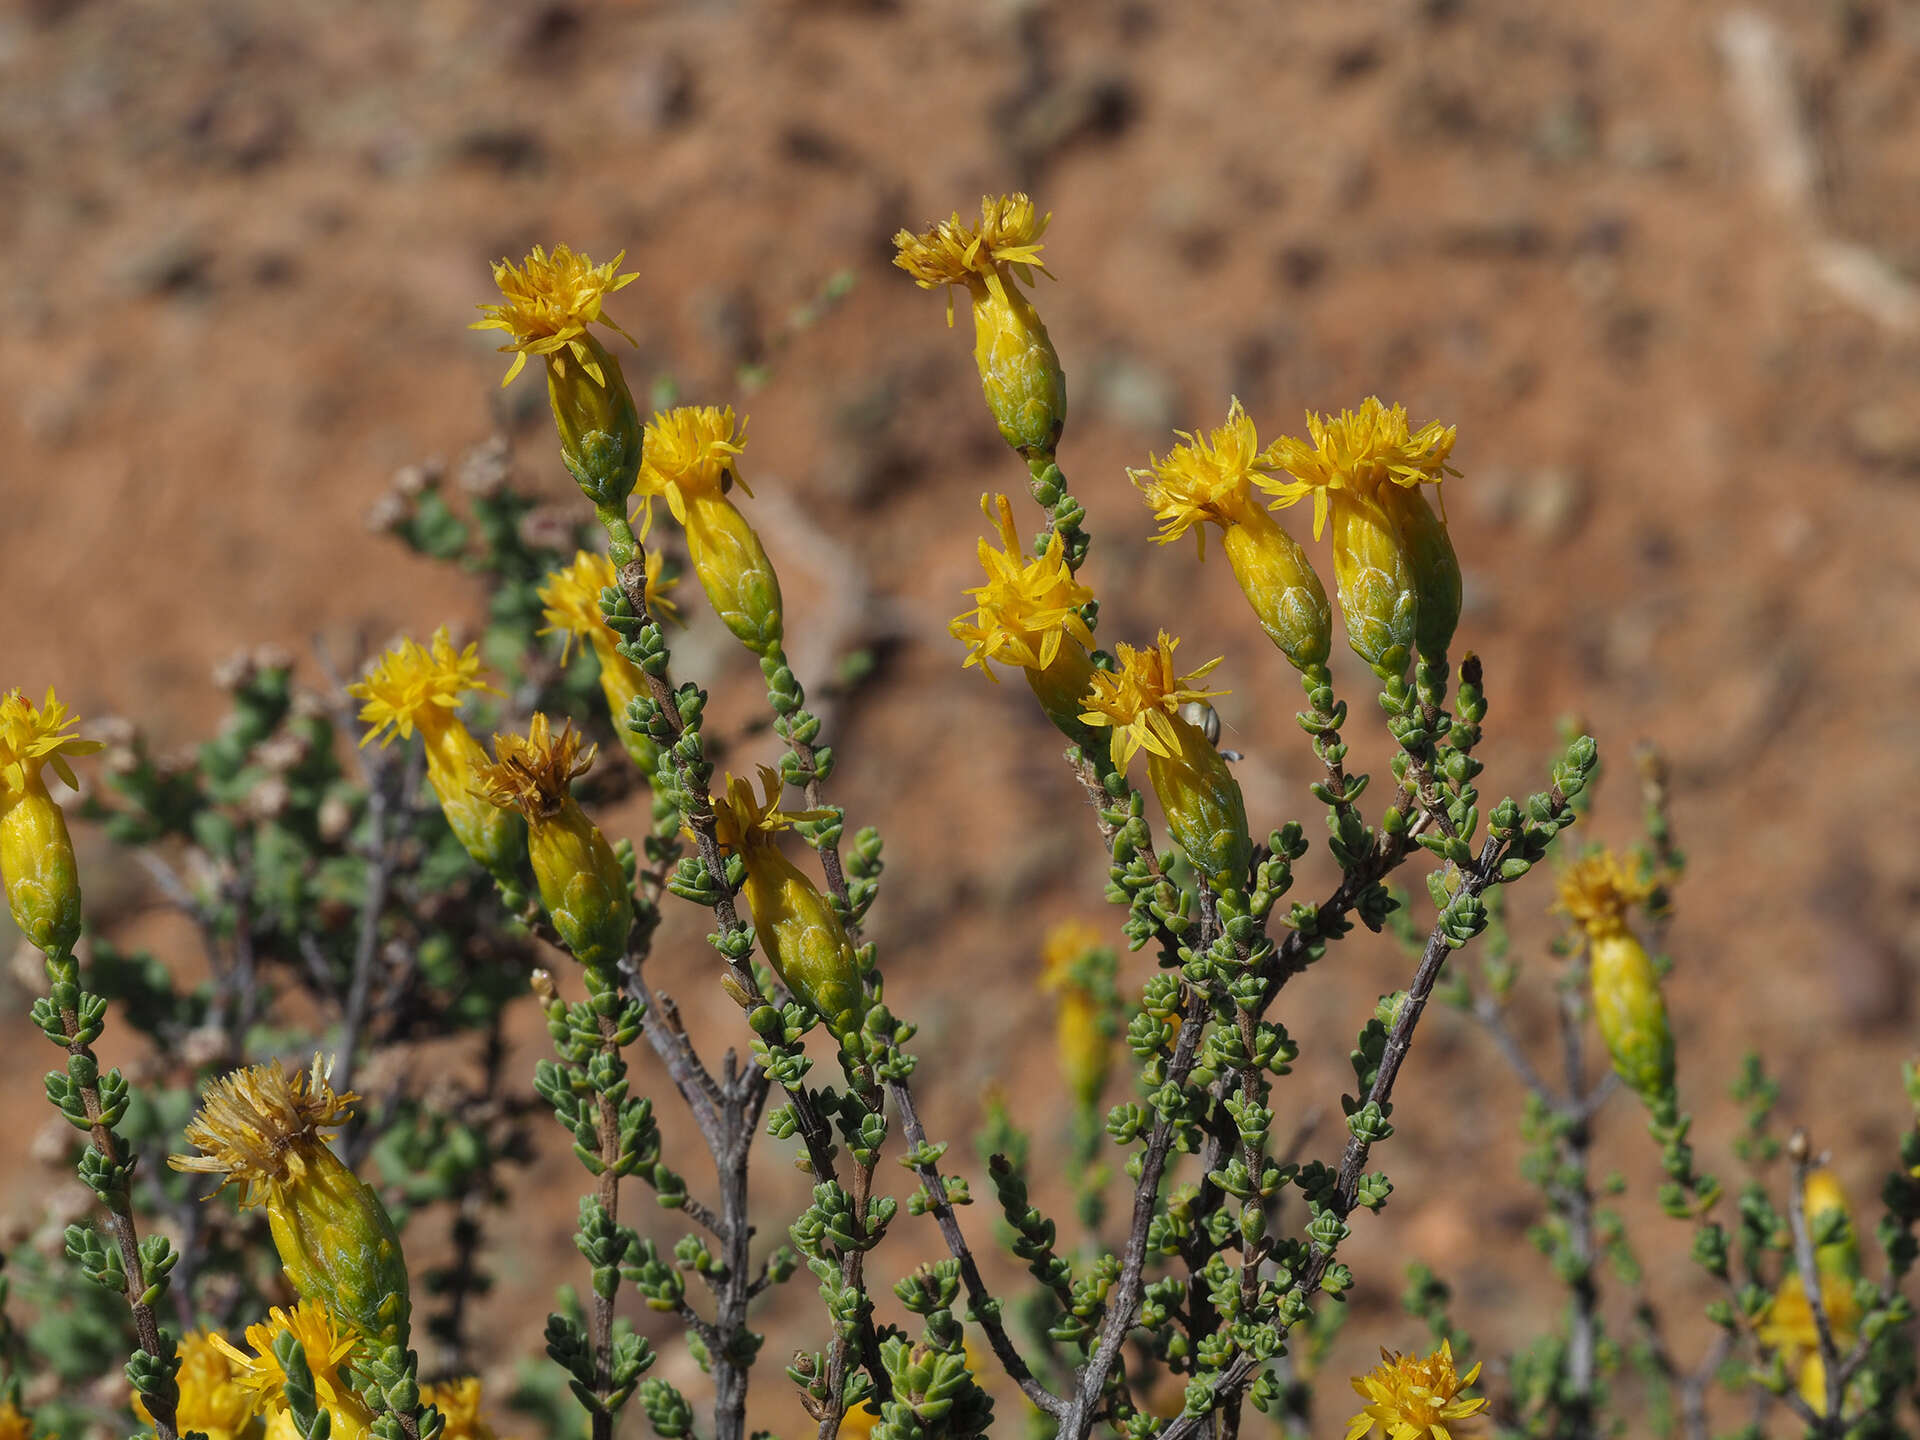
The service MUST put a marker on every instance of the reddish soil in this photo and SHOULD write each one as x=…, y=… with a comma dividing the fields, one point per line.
x=246, y=241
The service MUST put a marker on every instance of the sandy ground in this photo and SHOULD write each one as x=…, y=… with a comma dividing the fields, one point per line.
x=1648, y=257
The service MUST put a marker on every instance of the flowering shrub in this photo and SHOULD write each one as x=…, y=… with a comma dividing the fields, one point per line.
x=320, y=871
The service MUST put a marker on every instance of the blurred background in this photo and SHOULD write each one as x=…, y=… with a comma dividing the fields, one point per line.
x=1657, y=260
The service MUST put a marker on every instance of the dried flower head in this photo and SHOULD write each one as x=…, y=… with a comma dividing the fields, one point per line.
x=412, y=686
x=213, y=1400
x=1410, y=1398
x=1599, y=890
x=689, y=452
x=743, y=821
x=1141, y=699
x=953, y=252
x=31, y=737
x=1203, y=478
x=535, y=774
x=1357, y=451
x=260, y=1128
x=329, y=1350
x=1027, y=607
x=549, y=304
x=571, y=598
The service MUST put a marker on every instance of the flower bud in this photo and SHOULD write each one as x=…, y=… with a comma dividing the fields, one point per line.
x=735, y=572
x=1206, y=814
x=582, y=883
x=600, y=434
x=571, y=597
x=1280, y=583
x=547, y=308
x=1627, y=1004
x=1390, y=555
x=691, y=464
x=1631, y=1014
x=37, y=865
x=1073, y=962
x=798, y=929
x=1435, y=568
x=1029, y=614
x=261, y=1130
x=1019, y=370
x=416, y=688
x=1210, y=479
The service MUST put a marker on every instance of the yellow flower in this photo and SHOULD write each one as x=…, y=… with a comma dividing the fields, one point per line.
x=582, y=883
x=260, y=1128
x=1083, y=1027
x=799, y=931
x=14, y=1425
x=548, y=306
x=1599, y=890
x=1211, y=480
x=691, y=464
x=1028, y=614
x=458, y=1401
x=329, y=1351
x=572, y=600
x=414, y=688
x=213, y=1400
x=1789, y=1329
x=37, y=867
x=1019, y=370
x=1141, y=700
x=1398, y=579
x=1627, y=1005
x=1205, y=811
x=1409, y=1398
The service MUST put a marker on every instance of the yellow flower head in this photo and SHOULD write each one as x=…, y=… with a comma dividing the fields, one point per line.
x=30, y=737
x=458, y=1402
x=1599, y=890
x=1203, y=479
x=571, y=598
x=1066, y=943
x=14, y=1425
x=534, y=775
x=260, y=1127
x=1006, y=242
x=1141, y=699
x=743, y=821
x=1026, y=607
x=213, y=1400
x=1789, y=1327
x=329, y=1350
x=549, y=305
x=413, y=686
x=1410, y=1399
x=1357, y=451
x=690, y=452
